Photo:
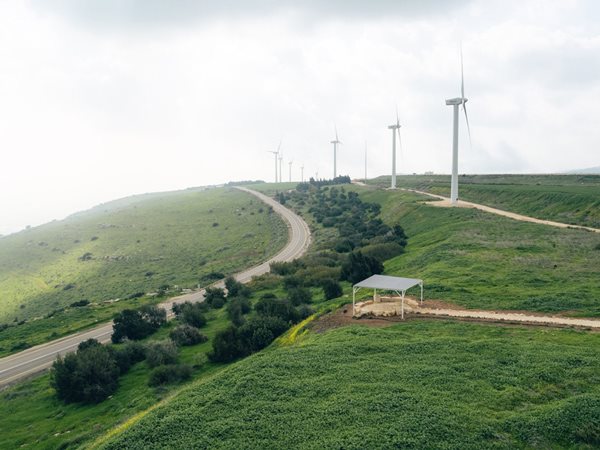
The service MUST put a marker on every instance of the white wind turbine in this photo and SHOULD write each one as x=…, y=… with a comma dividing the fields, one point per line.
x=280, y=166
x=395, y=129
x=335, y=143
x=456, y=102
x=276, y=155
x=290, y=163
x=302, y=173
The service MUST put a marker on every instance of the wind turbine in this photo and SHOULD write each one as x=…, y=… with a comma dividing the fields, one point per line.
x=302, y=173
x=395, y=128
x=365, y=162
x=456, y=102
x=335, y=144
x=280, y=167
x=276, y=154
x=290, y=163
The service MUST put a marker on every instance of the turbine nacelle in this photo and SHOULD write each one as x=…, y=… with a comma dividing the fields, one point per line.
x=457, y=101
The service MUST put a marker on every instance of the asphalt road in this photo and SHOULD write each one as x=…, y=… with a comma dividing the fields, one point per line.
x=41, y=357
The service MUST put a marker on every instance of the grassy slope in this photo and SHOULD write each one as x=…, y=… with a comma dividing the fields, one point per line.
x=573, y=199
x=142, y=243
x=32, y=416
x=414, y=385
x=480, y=260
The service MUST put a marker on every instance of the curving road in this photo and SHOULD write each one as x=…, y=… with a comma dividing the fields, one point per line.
x=41, y=357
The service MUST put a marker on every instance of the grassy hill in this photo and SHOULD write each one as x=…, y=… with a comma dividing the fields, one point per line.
x=114, y=253
x=573, y=199
x=480, y=260
x=414, y=385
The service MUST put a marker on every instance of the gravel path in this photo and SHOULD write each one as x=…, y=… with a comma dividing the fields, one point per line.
x=445, y=202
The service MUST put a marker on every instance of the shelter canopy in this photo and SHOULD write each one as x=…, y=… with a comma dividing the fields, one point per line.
x=389, y=283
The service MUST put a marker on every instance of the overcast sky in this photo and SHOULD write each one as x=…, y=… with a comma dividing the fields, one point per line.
x=101, y=99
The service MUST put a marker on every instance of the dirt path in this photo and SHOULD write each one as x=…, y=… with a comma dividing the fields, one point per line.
x=388, y=309
x=445, y=202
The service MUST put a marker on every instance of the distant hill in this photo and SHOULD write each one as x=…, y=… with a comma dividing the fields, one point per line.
x=588, y=171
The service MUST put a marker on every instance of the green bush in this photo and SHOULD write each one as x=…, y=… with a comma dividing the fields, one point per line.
x=159, y=353
x=138, y=323
x=236, y=308
x=382, y=252
x=184, y=335
x=129, y=354
x=214, y=297
x=168, y=374
x=332, y=289
x=358, y=267
x=88, y=376
x=236, y=289
x=299, y=295
x=274, y=307
x=191, y=313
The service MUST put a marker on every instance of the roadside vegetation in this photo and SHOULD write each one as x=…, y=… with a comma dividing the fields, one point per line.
x=71, y=274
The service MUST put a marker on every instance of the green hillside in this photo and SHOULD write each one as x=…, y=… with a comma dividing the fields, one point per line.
x=414, y=385
x=573, y=199
x=114, y=253
x=480, y=260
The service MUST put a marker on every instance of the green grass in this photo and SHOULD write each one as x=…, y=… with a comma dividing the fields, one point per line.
x=572, y=199
x=480, y=260
x=414, y=385
x=137, y=244
x=32, y=416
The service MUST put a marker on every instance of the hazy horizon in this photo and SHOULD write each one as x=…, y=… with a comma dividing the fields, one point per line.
x=106, y=99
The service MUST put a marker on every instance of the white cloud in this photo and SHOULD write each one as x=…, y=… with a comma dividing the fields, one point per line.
x=97, y=105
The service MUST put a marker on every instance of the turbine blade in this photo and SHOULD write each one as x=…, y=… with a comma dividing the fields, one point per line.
x=397, y=116
x=462, y=75
x=468, y=126
x=279, y=146
x=399, y=144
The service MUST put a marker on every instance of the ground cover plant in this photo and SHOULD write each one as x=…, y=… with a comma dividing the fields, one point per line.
x=573, y=199
x=70, y=274
x=419, y=384
x=480, y=260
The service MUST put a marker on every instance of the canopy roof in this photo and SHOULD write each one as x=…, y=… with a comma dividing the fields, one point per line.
x=388, y=283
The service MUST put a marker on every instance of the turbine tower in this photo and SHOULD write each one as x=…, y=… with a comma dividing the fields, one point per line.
x=302, y=173
x=280, y=167
x=395, y=129
x=335, y=143
x=456, y=103
x=365, y=162
x=276, y=155
x=290, y=163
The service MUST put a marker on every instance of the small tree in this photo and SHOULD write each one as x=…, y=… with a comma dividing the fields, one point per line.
x=186, y=335
x=159, y=353
x=332, y=289
x=190, y=313
x=138, y=323
x=299, y=296
x=214, y=297
x=236, y=289
x=88, y=376
x=358, y=267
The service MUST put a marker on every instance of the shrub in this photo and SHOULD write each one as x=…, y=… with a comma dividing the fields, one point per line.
x=172, y=373
x=138, y=323
x=332, y=289
x=190, y=313
x=129, y=354
x=299, y=296
x=79, y=303
x=214, y=297
x=88, y=376
x=236, y=289
x=184, y=335
x=159, y=353
x=281, y=308
x=382, y=252
x=358, y=267
x=236, y=308
x=228, y=346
